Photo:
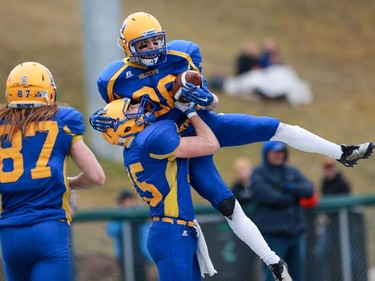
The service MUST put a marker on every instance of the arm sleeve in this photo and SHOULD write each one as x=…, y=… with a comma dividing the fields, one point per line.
x=189, y=51
x=72, y=120
x=102, y=88
x=76, y=138
x=107, y=77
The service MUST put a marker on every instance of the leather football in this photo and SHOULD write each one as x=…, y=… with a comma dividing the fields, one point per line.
x=190, y=76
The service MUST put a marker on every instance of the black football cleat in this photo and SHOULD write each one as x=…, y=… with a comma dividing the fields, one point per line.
x=280, y=271
x=352, y=153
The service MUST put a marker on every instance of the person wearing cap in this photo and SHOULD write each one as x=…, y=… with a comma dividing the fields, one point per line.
x=333, y=181
x=277, y=189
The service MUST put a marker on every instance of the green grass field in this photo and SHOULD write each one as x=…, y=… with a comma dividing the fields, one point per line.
x=329, y=43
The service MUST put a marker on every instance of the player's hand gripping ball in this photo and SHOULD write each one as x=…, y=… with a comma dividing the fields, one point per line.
x=188, y=76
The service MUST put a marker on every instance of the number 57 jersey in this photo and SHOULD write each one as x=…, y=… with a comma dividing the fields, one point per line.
x=33, y=184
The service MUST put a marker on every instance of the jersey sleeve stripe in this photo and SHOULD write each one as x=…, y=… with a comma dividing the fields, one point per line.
x=76, y=138
x=163, y=156
x=112, y=81
x=187, y=57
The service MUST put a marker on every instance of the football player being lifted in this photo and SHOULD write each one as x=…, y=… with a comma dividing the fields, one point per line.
x=150, y=67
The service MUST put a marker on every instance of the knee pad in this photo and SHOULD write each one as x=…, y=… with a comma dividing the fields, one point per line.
x=226, y=207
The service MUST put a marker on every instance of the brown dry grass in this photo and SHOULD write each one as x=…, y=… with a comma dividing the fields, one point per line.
x=329, y=43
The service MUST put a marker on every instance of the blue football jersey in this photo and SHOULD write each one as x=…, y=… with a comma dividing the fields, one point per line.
x=159, y=177
x=124, y=79
x=33, y=184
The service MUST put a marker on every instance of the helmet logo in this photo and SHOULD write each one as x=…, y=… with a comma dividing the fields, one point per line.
x=149, y=32
x=41, y=94
x=23, y=80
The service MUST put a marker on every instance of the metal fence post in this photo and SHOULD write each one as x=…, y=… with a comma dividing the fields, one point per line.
x=345, y=245
x=128, y=250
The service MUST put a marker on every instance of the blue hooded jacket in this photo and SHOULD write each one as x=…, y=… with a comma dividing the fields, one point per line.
x=277, y=192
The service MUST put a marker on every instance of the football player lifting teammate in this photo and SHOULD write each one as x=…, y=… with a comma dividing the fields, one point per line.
x=150, y=68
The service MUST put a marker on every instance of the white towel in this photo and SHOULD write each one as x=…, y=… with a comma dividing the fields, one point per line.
x=204, y=260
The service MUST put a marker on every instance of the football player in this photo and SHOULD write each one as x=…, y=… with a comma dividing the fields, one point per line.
x=37, y=135
x=150, y=67
x=155, y=158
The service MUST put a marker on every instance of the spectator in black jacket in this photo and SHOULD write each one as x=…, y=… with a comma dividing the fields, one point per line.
x=248, y=59
x=333, y=181
x=277, y=190
x=327, y=229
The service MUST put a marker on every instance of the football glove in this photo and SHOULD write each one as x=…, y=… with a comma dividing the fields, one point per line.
x=197, y=95
x=101, y=122
x=187, y=108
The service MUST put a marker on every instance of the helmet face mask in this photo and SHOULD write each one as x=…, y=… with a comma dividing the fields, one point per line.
x=141, y=27
x=148, y=57
x=29, y=85
x=128, y=120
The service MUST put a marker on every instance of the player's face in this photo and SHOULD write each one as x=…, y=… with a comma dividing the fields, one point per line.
x=141, y=111
x=132, y=109
x=149, y=44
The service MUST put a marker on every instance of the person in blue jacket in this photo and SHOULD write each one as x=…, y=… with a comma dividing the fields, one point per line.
x=277, y=190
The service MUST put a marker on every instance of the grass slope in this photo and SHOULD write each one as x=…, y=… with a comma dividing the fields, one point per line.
x=329, y=43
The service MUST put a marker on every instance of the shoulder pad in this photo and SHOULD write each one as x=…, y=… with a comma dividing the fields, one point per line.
x=109, y=70
x=105, y=76
x=187, y=50
x=160, y=138
x=71, y=118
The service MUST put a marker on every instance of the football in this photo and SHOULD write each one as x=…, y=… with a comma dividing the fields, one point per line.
x=190, y=76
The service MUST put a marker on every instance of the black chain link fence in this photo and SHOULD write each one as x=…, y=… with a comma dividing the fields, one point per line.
x=340, y=246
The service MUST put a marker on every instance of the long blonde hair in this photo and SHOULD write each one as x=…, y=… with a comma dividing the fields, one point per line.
x=21, y=118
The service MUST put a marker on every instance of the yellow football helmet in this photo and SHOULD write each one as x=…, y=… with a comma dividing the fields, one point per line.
x=126, y=125
x=30, y=84
x=138, y=27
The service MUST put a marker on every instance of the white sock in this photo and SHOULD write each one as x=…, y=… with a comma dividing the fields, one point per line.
x=304, y=140
x=249, y=233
